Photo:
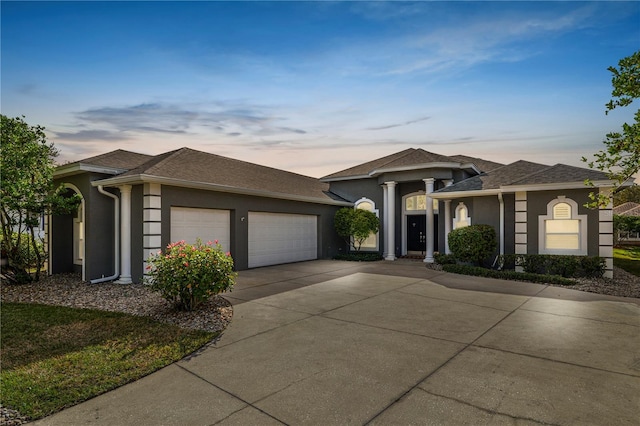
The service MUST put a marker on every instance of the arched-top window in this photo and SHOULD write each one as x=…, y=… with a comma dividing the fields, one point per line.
x=418, y=202
x=461, y=218
x=562, y=230
x=370, y=243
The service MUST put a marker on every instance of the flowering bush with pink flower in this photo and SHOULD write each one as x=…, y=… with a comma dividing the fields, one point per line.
x=187, y=275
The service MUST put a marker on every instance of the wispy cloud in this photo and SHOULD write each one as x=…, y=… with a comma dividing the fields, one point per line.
x=226, y=118
x=391, y=126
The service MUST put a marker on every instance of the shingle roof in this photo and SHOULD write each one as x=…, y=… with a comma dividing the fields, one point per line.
x=195, y=166
x=408, y=157
x=482, y=165
x=118, y=159
x=496, y=178
x=627, y=209
x=561, y=173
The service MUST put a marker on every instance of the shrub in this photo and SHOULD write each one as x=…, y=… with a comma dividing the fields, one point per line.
x=359, y=257
x=444, y=259
x=24, y=257
x=507, y=275
x=553, y=264
x=187, y=275
x=473, y=243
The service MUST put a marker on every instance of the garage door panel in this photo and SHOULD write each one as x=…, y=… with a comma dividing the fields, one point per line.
x=276, y=238
x=189, y=224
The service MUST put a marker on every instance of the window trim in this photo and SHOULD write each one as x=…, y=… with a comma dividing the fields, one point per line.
x=582, y=228
x=461, y=205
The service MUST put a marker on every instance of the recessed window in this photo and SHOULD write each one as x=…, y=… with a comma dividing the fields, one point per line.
x=562, y=230
x=461, y=218
x=371, y=243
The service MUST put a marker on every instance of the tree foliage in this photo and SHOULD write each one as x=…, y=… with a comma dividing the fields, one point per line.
x=621, y=156
x=26, y=192
x=355, y=225
x=630, y=194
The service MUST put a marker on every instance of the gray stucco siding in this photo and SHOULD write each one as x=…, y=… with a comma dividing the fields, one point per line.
x=537, y=206
x=239, y=206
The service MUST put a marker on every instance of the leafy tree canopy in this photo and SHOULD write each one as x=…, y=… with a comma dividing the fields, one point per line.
x=621, y=156
x=355, y=225
x=26, y=191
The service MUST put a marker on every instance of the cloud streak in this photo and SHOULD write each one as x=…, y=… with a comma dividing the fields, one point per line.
x=406, y=123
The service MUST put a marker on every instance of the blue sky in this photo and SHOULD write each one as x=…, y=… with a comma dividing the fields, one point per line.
x=315, y=87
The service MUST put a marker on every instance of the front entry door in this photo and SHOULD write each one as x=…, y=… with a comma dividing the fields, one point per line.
x=416, y=232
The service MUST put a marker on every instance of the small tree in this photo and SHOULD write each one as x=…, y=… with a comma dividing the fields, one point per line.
x=624, y=224
x=473, y=243
x=621, y=157
x=26, y=192
x=355, y=225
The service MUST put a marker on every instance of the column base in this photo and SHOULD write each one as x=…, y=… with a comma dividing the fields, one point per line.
x=390, y=257
x=123, y=280
x=428, y=259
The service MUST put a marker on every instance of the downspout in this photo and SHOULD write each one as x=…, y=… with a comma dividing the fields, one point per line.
x=117, y=237
x=501, y=201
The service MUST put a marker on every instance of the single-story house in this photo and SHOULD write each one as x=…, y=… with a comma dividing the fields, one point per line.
x=135, y=204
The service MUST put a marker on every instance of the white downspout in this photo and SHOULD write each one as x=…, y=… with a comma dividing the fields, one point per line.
x=117, y=237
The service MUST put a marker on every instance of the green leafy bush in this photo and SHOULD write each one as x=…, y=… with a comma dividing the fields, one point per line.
x=24, y=255
x=553, y=264
x=444, y=259
x=507, y=275
x=473, y=243
x=359, y=257
x=187, y=275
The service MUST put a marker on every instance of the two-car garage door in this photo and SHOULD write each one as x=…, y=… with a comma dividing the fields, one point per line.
x=276, y=238
x=273, y=238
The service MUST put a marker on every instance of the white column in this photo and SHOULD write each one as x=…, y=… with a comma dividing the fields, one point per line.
x=390, y=209
x=385, y=219
x=430, y=219
x=125, y=235
x=447, y=225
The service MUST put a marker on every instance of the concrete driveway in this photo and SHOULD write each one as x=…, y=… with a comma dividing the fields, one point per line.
x=329, y=342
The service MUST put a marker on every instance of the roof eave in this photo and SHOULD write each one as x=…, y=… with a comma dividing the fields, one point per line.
x=143, y=178
x=558, y=185
x=464, y=194
x=77, y=168
x=434, y=165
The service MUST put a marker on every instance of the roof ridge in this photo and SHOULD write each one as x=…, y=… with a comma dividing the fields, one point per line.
x=155, y=160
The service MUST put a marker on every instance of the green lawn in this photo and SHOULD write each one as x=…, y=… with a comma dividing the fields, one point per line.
x=627, y=258
x=54, y=357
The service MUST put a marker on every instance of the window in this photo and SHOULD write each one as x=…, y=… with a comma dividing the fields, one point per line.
x=419, y=202
x=562, y=230
x=370, y=243
x=461, y=218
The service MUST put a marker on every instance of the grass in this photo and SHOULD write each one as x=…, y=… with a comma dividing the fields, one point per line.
x=54, y=357
x=627, y=258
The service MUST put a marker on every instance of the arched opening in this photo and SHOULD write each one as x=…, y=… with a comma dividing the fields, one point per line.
x=67, y=237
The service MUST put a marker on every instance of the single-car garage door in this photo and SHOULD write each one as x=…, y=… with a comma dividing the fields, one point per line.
x=276, y=238
x=189, y=224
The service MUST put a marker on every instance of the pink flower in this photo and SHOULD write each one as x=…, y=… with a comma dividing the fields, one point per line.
x=228, y=254
x=215, y=242
x=186, y=264
x=209, y=243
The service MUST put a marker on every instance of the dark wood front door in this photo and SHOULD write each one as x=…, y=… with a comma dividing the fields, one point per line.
x=416, y=233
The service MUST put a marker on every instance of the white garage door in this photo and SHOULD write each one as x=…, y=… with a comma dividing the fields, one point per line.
x=276, y=238
x=207, y=224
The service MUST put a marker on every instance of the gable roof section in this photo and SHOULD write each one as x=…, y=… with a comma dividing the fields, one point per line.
x=190, y=168
x=496, y=178
x=112, y=163
x=561, y=173
x=483, y=165
x=404, y=160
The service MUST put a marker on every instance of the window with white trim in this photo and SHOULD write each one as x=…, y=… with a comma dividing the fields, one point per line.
x=419, y=202
x=562, y=230
x=371, y=243
x=461, y=218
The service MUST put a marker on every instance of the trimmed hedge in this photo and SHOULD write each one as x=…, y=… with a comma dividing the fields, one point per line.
x=552, y=264
x=506, y=275
x=444, y=259
x=359, y=257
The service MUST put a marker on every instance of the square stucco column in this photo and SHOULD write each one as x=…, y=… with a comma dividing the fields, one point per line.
x=447, y=225
x=385, y=219
x=125, y=235
x=390, y=213
x=429, y=183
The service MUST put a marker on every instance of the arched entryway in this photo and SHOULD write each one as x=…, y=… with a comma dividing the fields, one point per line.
x=414, y=228
x=67, y=237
